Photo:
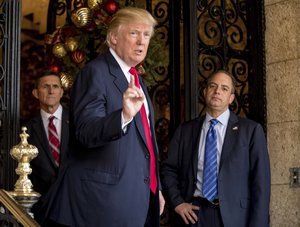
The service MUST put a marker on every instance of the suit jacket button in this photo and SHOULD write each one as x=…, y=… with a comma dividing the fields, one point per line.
x=146, y=180
x=147, y=156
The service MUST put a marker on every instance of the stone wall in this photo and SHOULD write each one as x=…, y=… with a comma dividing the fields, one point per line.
x=283, y=107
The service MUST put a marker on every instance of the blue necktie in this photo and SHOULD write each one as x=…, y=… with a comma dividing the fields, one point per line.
x=209, y=187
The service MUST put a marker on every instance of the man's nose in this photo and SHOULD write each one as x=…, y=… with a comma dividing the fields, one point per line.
x=141, y=39
x=51, y=89
x=218, y=89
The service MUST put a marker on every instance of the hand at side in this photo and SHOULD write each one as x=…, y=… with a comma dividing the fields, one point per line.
x=187, y=212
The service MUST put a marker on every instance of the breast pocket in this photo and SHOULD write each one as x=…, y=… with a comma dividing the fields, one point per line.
x=101, y=177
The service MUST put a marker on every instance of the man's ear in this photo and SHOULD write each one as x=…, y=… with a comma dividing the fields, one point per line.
x=113, y=38
x=35, y=93
x=232, y=96
x=61, y=93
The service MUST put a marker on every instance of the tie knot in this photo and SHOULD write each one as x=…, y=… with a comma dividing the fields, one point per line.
x=133, y=71
x=51, y=118
x=213, y=122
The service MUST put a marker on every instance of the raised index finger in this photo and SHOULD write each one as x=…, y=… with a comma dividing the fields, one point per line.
x=131, y=83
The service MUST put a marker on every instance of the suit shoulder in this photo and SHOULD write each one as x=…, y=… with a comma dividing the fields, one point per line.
x=249, y=124
x=100, y=61
x=31, y=121
x=95, y=64
x=189, y=124
x=65, y=109
x=247, y=121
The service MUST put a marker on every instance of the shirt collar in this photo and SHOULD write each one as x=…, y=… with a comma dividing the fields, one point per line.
x=57, y=114
x=124, y=67
x=223, y=118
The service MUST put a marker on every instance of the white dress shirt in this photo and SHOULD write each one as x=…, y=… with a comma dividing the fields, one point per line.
x=57, y=120
x=125, y=68
x=221, y=130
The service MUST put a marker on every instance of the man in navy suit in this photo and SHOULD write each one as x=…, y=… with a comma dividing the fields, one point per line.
x=243, y=169
x=107, y=182
x=48, y=91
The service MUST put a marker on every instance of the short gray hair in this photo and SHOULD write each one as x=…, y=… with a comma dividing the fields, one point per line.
x=233, y=80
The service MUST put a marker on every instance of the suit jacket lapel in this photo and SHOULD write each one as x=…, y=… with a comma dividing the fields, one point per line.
x=64, y=133
x=196, y=130
x=116, y=72
x=122, y=84
x=230, y=138
x=42, y=137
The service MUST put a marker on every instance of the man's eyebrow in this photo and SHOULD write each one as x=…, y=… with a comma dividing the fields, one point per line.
x=49, y=85
x=222, y=85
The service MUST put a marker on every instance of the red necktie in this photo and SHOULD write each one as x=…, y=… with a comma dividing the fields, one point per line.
x=53, y=140
x=153, y=180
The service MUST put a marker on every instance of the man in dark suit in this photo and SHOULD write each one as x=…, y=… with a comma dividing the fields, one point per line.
x=241, y=189
x=108, y=182
x=48, y=90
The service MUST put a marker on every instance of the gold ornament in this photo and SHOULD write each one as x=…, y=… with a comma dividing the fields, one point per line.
x=71, y=44
x=23, y=153
x=97, y=21
x=23, y=191
x=59, y=50
x=81, y=17
x=66, y=80
x=94, y=4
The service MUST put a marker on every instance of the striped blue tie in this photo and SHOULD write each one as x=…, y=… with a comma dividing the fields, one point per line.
x=209, y=188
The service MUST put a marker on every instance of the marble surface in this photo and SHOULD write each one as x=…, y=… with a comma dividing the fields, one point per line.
x=282, y=31
x=283, y=91
x=283, y=107
x=285, y=204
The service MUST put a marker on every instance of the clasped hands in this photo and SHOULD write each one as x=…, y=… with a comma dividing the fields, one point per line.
x=133, y=99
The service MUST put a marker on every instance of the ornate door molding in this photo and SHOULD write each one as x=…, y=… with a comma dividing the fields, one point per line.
x=9, y=87
x=225, y=34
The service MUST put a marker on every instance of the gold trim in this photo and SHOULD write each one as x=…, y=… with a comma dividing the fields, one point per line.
x=17, y=211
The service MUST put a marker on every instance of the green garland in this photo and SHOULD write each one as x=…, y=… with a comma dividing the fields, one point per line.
x=71, y=46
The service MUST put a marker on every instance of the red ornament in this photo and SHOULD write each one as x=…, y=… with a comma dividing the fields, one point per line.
x=69, y=31
x=110, y=7
x=55, y=68
x=101, y=17
x=91, y=27
x=77, y=56
x=98, y=14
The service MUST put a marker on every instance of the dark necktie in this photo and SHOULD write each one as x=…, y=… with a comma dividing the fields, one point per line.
x=209, y=187
x=153, y=180
x=53, y=140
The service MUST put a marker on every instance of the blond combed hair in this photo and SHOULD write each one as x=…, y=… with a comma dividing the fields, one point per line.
x=129, y=15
